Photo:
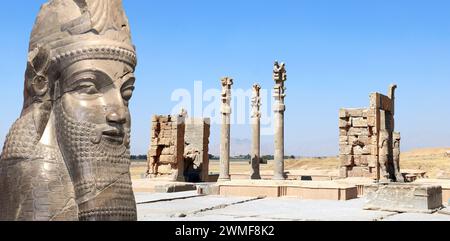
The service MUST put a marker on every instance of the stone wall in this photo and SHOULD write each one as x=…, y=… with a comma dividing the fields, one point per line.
x=196, y=152
x=358, y=143
x=166, y=152
x=369, y=147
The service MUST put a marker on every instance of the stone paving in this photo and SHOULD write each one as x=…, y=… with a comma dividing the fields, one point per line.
x=188, y=206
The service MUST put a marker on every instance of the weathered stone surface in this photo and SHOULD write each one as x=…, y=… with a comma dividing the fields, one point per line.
x=312, y=190
x=444, y=183
x=196, y=153
x=225, y=137
x=359, y=122
x=343, y=114
x=361, y=150
x=372, y=161
x=367, y=134
x=403, y=198
x=355, y=131
x=361, y=160
x=343, y=123
x=256, y=133
x=346, y=150
x=167, y=147
x=347, y=160
x=68, y=155
x=279, y=95
x=343, y=140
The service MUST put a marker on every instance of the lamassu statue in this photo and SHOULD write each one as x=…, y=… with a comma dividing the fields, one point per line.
x=68, y=155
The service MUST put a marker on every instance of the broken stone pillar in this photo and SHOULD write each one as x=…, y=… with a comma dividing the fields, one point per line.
x=368, y=142
x=279, y=76
x=383, y=150
x=256, y=126
x=396, y=156
x=225, y=135
x=196, y=151
x=166, y=153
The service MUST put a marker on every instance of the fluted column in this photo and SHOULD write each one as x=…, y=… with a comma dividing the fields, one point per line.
x=279, y=76
x=225, y=135
x=256, y=128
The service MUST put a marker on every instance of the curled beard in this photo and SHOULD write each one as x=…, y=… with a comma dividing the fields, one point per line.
x=100, y=169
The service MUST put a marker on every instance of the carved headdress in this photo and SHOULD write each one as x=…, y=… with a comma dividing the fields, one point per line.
x=67, y=31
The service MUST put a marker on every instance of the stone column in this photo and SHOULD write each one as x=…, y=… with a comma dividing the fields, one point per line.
x=279, y=76
x=256, y=126
x=225, y=135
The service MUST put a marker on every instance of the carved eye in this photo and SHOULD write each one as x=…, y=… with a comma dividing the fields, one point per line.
x=127, y=93
x=87, y=88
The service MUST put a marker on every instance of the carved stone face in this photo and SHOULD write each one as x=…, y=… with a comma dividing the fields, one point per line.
x=93, y=123
x=98, y=92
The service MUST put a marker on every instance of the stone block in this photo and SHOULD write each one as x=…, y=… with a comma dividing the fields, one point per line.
x=343, y=172
x=343, y=123
x=310, y=190
x=372, y=161
x=361, y=150
x=358, y=132
x=208, y=189
x=346, y=150
x=165, y=142
x=361, y=160
x=374, y=101
x=346, y=160
x=343, y=140
x=175, y=187
x=343, y=114
x=359, y=122
x=365, y=140
x=360, y=171
x=352, y=140
x=168, y=159
x=355, y=112
x=153, y=151
x=403, y=198
x=168, y=151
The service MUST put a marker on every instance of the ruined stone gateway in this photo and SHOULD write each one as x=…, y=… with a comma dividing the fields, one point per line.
x=369, y=146
x=179, y=148
x=196, y=152
x=167, y=147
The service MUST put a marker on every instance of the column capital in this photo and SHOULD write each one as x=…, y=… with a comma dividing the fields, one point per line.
x=256, y=101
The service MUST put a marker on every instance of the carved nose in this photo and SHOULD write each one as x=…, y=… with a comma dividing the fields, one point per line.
x=114, y=117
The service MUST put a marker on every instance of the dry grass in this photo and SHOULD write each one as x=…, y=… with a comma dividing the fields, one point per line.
x=431, y=160
x=138, y=169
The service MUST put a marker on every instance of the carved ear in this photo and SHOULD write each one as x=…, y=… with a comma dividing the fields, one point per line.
x=36, y=74
x=37, y=88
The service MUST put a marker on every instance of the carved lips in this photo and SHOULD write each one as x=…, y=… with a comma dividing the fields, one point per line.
x=114, y=135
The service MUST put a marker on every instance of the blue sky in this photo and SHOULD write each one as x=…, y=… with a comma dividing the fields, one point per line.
x=337, y=52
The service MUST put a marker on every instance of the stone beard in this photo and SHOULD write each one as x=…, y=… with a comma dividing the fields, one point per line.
x=99, y=167
x=35, y=170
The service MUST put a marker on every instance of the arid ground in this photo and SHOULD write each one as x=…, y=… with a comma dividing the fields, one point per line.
x=432, y=160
